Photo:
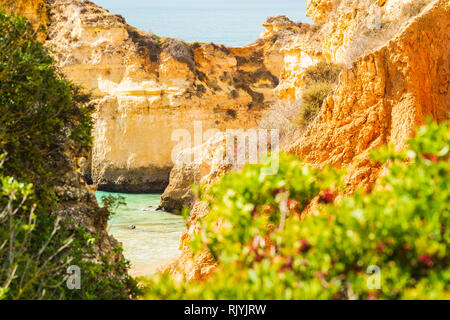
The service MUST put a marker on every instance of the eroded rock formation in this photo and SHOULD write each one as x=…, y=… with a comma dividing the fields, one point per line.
x=396, y=54
x=203, y=165
x=77, y=202
x=383, y=97
x=36, y=11
x=147, y=87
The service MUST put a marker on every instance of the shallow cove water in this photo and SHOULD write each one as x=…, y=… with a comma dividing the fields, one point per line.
x=154, y=242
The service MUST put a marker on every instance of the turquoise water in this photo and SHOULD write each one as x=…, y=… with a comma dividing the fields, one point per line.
x=155, y=241
x=232, y=22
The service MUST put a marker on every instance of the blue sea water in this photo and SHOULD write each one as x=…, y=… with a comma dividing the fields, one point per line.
x=230, y=22
x=154, y=241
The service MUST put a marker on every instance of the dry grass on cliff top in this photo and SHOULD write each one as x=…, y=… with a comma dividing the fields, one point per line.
x=291, y=118
x=180, y=51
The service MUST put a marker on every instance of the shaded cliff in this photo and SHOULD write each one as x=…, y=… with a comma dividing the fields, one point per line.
x=75, y=200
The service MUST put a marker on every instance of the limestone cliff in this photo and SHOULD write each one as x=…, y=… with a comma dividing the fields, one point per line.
x=396, y=54
x=350, y=28
x=146, y=87
x=383, y=97
x=201, y=165
x=343, y=31
x=374, y=21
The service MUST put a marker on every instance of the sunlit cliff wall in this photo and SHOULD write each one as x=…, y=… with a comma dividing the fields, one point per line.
x=146, y=87
x=384, y=95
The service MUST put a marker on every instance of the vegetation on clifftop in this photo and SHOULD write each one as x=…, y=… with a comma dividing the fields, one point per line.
x=320, y=80
x=267, y=248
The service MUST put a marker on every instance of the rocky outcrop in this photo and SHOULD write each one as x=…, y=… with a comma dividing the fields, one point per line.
x=201, y=165
x=77, y=202
x=210, y=162
x=383, y=97
x=300, y=53
x=344, y=31
x=380, y=98
x=146, y=87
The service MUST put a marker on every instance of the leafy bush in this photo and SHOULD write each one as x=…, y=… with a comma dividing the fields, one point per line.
x=34, y=267
x=18, y=226
x=267, y=249
x=313, y=98
x=42, y=116
x=36, y=104
x=323, y=72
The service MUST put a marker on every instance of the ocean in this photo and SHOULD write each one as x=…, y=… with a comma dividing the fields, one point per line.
x=154, y=240
x=233, y=23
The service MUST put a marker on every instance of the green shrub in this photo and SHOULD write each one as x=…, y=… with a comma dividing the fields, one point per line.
x=413, y=8
x=267, y=250
x=320, y=80
x=323, y=72
x=41, y=117
x=37, y=250
x=313, y=98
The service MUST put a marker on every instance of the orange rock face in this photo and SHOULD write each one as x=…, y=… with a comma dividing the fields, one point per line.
x=383, y=97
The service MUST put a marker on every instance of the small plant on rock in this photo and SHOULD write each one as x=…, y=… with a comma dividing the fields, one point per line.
x=320, y=80
x=112, y=203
